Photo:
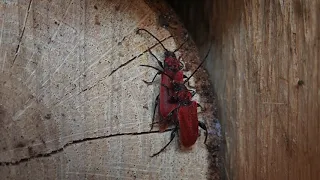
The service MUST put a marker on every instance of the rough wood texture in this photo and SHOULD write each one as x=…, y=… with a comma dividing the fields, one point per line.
x=62, y=116
x=265, y=71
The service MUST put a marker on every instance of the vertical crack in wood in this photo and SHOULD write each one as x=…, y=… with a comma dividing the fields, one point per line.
x=22, y=33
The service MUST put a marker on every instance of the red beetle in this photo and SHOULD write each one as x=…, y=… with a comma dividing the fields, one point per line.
x=176, y=105
x=185, y=117
x=171, y=71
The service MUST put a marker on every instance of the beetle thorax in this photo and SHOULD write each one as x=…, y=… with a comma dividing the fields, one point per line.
x=177, y=87
x=184, y=97
x=172, y=64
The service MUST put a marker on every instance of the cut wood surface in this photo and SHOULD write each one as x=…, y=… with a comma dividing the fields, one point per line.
x=67, y=111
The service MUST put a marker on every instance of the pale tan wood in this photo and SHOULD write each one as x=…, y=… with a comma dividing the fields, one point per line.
x=55, y=90
x=261, y=51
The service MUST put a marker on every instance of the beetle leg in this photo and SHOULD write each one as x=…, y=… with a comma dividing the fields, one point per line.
x=202, y=108
x=204, y=127
x=159, y=62
x=173, y=134
x=149, y=83
x=181, y=64
x=184, y=76
x=159, y=70
x=154, y=111
x=192, y=92
x=175, y=109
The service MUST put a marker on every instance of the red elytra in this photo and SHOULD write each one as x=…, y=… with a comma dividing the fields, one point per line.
x=188, y=124
x=187, y=115
x=165, y=107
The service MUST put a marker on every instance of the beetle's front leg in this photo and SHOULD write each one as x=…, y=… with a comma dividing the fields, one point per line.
x=154, y=111
x=204, y=127
x=202, y=108
x=149, y=83
x=173, y=134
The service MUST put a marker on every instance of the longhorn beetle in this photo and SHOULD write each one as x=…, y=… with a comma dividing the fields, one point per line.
x=184, y=115
x=172, y=68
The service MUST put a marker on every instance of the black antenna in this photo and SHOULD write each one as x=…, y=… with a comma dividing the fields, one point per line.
x=158, y=70
x=153, y=37
x=198, y=66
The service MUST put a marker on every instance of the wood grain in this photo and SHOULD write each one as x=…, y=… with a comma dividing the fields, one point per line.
x=265, y=70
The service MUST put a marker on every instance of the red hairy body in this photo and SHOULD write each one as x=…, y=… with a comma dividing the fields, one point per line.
x=188, y=123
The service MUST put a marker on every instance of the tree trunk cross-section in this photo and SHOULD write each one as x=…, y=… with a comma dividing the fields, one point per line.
x=68, y=112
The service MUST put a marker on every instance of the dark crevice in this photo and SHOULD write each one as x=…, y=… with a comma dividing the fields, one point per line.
x=22, y=33
x=126, y=63
x=48, y=154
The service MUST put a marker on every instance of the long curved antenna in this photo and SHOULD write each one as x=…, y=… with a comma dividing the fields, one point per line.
x=153, y=37
x=159, y=62
x=198, y=66
x=159, y=70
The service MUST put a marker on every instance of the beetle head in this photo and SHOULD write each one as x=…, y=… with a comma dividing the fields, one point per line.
x=169, y=54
